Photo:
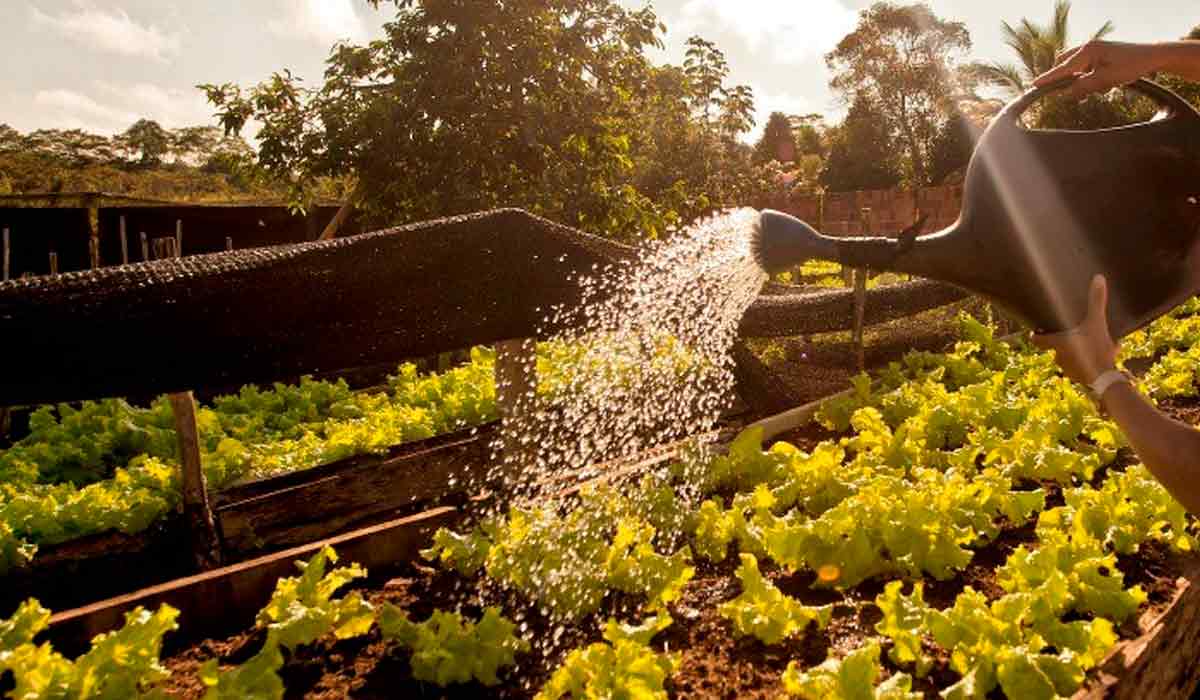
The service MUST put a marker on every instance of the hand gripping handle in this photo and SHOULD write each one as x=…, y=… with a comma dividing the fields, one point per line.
x=1175, y=106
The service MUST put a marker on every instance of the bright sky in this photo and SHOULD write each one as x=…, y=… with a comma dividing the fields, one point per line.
x=100, y=65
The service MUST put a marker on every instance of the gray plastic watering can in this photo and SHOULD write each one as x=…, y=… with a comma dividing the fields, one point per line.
x=1043, y=211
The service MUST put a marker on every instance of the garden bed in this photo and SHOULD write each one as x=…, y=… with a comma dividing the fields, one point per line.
x=1150, y=651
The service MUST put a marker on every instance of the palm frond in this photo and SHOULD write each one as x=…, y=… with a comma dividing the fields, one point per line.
x=1059, y=29
x=1004, y=75
x=1105, y=30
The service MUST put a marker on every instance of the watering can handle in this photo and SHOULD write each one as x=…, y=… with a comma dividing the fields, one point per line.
x=1175, y=105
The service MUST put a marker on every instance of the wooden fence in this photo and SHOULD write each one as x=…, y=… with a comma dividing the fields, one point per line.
x=90, y=230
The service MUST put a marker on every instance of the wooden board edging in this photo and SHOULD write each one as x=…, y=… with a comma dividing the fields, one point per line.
x=224, y=600
x=359, y=489
x=1164, y=662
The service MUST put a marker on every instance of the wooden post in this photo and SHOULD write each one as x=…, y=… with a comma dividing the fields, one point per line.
x=197, y=512
x=229, y=243
x=145, y=246
x=124, y=244
x=516, y=393
x=179, y=238
x=7, y=257
x=93, y=208
x=860, y=299
x=53, y=263
x=165, y=248
x=338, y=219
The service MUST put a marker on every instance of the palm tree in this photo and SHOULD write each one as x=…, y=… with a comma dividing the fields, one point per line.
x=1036, y=47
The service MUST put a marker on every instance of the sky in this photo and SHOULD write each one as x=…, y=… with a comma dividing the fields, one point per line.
x=100, y=65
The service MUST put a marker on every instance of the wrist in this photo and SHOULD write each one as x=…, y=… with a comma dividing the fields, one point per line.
x=1115, y=395
x=1106, y=380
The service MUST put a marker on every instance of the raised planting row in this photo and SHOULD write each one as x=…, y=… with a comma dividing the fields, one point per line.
x=108, y=465
x=111, y=467
x=969, y=527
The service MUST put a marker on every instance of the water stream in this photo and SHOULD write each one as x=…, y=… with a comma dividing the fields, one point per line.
x=646, y=360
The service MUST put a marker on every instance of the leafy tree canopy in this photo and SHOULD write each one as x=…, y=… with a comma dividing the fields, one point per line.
x=903, y=59
x=550, y=105
x=861, y=156
x=198, y=162
x=778, y=141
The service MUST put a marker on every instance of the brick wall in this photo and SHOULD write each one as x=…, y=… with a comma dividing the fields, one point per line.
x=838, y=213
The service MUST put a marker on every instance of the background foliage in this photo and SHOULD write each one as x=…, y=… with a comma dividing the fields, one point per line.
x=553, y=106
x=146, y=160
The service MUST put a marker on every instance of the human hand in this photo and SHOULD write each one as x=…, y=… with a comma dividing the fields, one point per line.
x=1102, y=65
x=1086, y=351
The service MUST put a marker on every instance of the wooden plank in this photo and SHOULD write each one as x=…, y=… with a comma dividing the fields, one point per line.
x=369, y=488
x=516, y=395
x=222, y=601
x=860, y=310
x=1164, y=662
x=124, y=243
x=336, y=222
x=206, y=548
x=413, y=449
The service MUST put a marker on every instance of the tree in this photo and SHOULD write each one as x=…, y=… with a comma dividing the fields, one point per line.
x=1037, y=47
x=903, y=58
x=724, y=113
x=471, y=104
x=147, y=141
x=861, y=156
x=777, y=142
x=952, y=149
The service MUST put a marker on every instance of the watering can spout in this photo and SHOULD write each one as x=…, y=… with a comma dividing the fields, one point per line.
x=782, y=242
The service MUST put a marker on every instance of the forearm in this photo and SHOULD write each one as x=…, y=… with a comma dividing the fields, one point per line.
x=1169, y=449
x=1181, y=58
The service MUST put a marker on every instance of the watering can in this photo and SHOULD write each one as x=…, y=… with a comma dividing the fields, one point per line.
x=1045, y=210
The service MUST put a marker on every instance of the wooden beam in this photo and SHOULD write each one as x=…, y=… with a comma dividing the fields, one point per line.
x=7, y=257
x=1162, y=662
x=92, y=202
x=301, y=507
x=516, y=396
x=206, y=547
x=124, y=242
x=860, y=299
x=336, y=222
x=225, y=600
x=860, y=312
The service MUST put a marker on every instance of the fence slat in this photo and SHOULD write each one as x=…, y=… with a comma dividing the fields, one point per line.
x=124, y=244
